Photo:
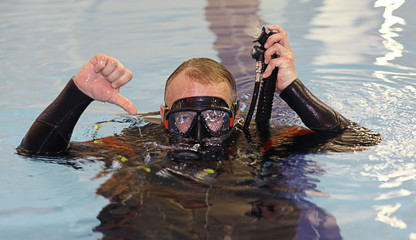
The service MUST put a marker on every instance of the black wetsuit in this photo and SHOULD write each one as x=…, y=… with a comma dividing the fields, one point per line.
x=50, y=134
x=141, y=194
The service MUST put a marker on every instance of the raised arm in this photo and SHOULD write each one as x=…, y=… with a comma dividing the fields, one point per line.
x=99, y=79
x=314, y=113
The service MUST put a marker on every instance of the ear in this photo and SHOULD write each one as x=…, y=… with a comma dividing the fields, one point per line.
x=237, y=115
x=162, y=112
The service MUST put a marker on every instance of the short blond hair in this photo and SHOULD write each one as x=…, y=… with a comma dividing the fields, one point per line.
x=205, y=71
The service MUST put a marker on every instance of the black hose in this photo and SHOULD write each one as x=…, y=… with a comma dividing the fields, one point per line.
x=268, y=86
x=252, y=105
x=265, y=105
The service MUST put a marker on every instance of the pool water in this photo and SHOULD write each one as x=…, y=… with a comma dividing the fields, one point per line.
x=357, y=56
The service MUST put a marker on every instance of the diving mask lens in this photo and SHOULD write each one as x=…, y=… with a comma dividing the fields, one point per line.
x=191, y=115
x=182, y=121
x=215, y=121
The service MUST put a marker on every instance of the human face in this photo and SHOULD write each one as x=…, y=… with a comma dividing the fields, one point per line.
x=183, y=87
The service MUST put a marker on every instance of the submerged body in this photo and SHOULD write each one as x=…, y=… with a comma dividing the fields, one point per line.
x=192, y=191
x=242, y=189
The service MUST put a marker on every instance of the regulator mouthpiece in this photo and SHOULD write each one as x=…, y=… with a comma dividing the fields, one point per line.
x=257, y=52
x=262, y=38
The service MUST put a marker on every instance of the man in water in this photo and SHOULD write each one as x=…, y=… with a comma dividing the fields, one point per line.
x=200, y=107
x=200, y=99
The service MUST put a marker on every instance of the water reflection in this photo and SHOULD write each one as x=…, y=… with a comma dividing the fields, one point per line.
x=388, y=32
x=350, y=33
x=342, y=34
x=385, y=215
x=393, y=164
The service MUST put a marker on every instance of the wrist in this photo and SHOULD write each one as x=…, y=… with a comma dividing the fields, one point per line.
x=281, y=87
x=77, y=90
x=79, y=87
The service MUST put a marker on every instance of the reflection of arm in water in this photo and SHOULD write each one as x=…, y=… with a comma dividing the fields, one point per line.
x=315, y=114
x=99, y=79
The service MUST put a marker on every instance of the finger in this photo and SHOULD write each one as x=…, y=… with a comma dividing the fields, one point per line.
x=118, y=72
x=99, y=61
x=123, y=79
x=275, y=49
x=111, y=65
x=272, y=65
x=124, y=103
x=280, y=37
x=275, y=63
x=275, y=27
x=287, y=71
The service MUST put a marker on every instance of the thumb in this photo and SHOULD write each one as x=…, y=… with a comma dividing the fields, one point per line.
x=124, y=103
x=268, y=70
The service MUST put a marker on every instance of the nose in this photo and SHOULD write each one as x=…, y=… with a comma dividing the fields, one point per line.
x=198, y=134
x=199, y=131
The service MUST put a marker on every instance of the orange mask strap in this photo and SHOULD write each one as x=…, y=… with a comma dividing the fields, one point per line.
x=231, y=122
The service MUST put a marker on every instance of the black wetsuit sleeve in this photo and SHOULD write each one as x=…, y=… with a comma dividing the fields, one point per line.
x=52, y=130
x=315, y=114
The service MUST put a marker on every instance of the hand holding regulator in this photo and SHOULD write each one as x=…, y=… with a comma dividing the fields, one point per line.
x=268, y=86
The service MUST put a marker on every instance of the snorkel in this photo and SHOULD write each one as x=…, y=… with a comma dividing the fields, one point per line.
x=268, y=86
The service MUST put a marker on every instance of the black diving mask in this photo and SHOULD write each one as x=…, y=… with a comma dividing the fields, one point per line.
x=200, y=117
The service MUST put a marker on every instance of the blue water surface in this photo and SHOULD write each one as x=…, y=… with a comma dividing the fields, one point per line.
x=357, y=56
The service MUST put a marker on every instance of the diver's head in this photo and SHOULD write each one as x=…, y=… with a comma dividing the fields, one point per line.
x=206, y=91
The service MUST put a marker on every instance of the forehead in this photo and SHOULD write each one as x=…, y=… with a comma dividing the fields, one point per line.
x=183, y=87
